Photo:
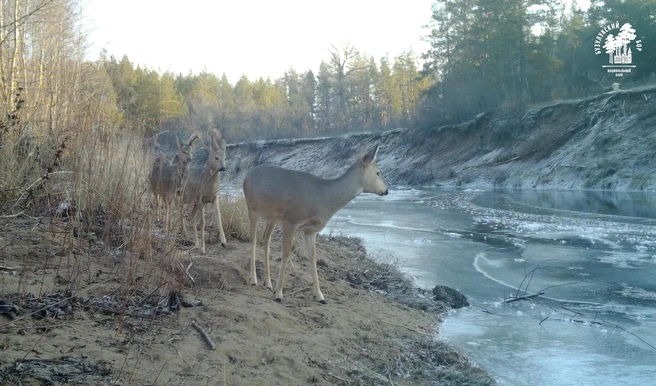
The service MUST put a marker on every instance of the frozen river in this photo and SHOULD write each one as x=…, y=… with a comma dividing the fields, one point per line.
x=591, y=254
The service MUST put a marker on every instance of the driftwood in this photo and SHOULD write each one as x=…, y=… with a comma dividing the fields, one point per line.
x=207, y=338
x=527, y=297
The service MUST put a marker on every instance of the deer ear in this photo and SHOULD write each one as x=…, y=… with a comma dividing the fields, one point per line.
x=191, y=141
x=222, y=144
x=370, y=156
x=217, y=134
x=215, y=137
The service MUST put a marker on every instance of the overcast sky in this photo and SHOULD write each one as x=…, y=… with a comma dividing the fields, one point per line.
x=251, y=37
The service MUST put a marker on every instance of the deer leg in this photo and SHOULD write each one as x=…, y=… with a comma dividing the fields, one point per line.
x=192, y=217
x=182, y=218
x=287, y=238
x=222, y=237
x=157, y=206
x=268, y=231
x=202, y=229
x=253, y=247
x=167, y=209
x=311, y=247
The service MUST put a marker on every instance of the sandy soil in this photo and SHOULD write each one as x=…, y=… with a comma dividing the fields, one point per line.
x=88, y=313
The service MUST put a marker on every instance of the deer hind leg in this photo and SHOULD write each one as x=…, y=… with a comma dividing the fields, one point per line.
x=268, y=231
x=287, y=238
x=222, y=237
x=311, y=247
x=202, y=228
x=254, y=219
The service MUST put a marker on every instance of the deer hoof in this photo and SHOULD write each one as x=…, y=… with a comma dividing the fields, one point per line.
x=223, y=245
x=323, y=301
x=279, y=300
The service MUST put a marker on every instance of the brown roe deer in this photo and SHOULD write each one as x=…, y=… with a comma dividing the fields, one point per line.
x=301, y=201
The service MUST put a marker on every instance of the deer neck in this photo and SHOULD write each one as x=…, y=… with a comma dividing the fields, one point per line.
x=210, y=177
x=344, y=188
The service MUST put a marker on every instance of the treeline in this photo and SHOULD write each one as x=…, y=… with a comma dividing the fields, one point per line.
x=513, y=53
x=351, y=91
x=485, y=54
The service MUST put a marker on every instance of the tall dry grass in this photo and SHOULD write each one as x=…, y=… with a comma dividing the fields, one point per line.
x=234, y=215
x=92, y=189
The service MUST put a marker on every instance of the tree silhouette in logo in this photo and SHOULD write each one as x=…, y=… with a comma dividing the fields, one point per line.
x=617, y=47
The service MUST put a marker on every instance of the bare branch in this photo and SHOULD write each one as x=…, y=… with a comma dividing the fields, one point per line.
x=206, y=337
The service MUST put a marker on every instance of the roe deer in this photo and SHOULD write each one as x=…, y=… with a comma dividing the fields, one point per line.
x=167, y=177
x=302, y=201
x=202, y=187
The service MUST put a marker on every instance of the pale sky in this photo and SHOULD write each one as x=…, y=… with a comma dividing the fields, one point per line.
x=251, y=37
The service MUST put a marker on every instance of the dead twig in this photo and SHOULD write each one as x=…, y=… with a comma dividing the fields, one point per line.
x=411, y=329
x=484, y=309
x=207, y=338
x=13, y=215
x=209, y=376
x=518, y=298
x=617, y=326
x=36, y=184
x=300, y=290
x=150, y=294
x=576, y=313
x=529, y=277
x=340, y=378
x=186, y=272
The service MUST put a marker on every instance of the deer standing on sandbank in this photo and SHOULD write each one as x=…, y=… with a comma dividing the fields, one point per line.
x=202, y=187
x=301, y=201
x=167, y=177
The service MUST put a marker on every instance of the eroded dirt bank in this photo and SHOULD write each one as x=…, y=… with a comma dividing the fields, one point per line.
x=603, y=142
x=82, y=315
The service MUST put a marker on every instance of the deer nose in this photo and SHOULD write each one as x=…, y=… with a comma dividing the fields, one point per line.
x=385, y=193
x=222, y=169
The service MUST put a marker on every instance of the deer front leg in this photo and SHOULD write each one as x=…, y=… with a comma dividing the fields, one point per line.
x=311, y=247
x=268, y=231
x=287, y=238
x=192, y=218
x=222, y=237
x=253, y=248
x=202, y=229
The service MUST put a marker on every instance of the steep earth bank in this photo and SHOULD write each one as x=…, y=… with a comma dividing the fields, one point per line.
x=603, y=142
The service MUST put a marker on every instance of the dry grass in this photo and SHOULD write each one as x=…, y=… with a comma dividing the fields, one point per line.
x=93, y=189
x=234, y=216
